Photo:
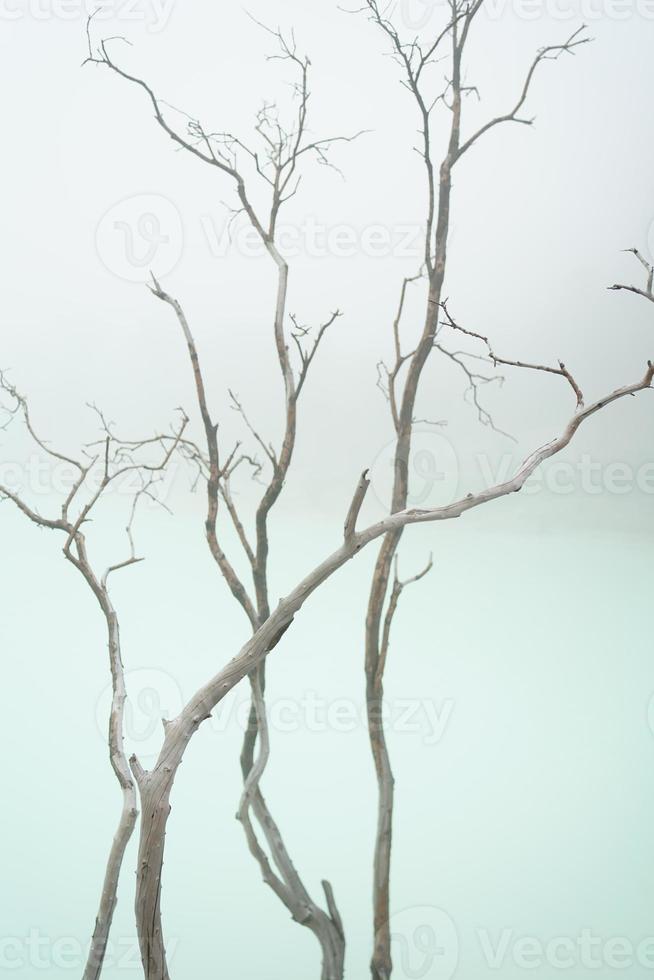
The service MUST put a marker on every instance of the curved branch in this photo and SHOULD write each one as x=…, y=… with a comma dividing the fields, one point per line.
x=75, y=551
x=648, y=291
x=398, y=588
x=561, y=370
x=551, y=53
x=216, y=472
x=258, y=647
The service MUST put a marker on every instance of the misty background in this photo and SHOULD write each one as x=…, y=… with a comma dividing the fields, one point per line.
x=521, y=675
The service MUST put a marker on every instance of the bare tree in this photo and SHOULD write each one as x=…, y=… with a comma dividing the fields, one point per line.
x=100, y=469
x=417, y=58
x=285, y=147
x=155, y=786
x=275, y=161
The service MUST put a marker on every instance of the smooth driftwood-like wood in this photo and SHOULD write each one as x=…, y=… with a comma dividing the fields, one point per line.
x=129, y=812
x=414, y=59
x=156, y=786
x=114, y=460
x=277, y=164
x=285, y=882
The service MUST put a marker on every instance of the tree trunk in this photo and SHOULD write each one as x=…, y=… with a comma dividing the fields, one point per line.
x=129, y=813
x=128, y=817
x=154, y=790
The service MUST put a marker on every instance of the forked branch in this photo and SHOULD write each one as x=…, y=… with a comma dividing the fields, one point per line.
x=550, y=53
x=115, y=460
x=648, y=291
x=396, y=593
x=562, y=371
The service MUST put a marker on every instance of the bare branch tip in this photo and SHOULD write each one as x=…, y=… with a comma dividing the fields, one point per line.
x=355, y=506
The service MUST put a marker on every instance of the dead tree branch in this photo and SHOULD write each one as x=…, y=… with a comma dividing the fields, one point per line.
x=355, y=506
x=561, y=370
x=551, y=53
x=217, y=471
x=115, y=461
x=276, y=160
x=648, y=291
x=413, y=57
x=158, y=784
x=396, y=593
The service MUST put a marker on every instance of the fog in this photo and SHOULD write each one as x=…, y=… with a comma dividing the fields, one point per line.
x=520, y=676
